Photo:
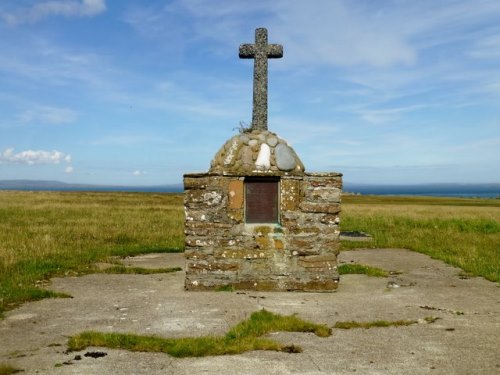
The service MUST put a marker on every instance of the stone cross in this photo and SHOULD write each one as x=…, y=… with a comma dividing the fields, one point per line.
x=260, y=52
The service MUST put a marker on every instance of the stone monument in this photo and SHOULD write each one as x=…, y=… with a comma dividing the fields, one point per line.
x=256, y=220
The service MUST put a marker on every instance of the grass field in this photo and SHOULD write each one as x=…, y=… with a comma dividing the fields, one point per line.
x=55, y=233
x=461, y=232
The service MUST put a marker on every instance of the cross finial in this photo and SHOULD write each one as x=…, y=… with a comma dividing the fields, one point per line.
x=260, y=52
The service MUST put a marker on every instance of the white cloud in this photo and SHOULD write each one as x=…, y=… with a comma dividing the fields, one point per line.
x=329, y=32
x=487, y=48
x=31, y=157
x=68, y=169
x=378, y=116
x=139, y=172
x=48, y=115
x=55, y=8
x=337, y=33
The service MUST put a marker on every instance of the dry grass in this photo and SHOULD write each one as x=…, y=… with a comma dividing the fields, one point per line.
x=461, y=232
x=42, y=224
x=6, y=369
x=374, y=324
x=48, y=233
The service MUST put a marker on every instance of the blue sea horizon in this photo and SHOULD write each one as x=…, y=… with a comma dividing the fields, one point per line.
x=491, y=190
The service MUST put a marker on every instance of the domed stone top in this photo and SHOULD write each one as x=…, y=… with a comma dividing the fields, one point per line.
x=258, y=152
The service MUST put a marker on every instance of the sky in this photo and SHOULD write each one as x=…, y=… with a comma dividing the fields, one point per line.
x=130, y=92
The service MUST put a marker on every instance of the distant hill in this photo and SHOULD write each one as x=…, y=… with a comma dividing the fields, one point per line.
x=41, y=185
x=491, y=190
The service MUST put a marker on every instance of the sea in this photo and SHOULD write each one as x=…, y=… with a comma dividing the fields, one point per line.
x=491, y=190
x=433, y=190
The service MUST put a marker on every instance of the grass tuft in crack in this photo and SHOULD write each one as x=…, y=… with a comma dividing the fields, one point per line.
x=138, y=270
x=361, y=269
x=376, y=323
x=6, y=369
x=243, y=337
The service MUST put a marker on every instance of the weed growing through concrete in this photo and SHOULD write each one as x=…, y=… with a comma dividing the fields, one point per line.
x=381, y=323
x=352, y=268
x=243, y=337
x=376, y=323
x=431, y=319
x=6, y=369
x=225, y=288
x=138, y=270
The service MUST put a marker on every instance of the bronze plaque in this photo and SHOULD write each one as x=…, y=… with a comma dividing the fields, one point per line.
x=261, y=200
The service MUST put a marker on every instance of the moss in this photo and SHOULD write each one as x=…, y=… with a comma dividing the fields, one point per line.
x=263, y=230
x=6, y=369
x=376, y=323
x=119, y=269
x=353, y=268
x=245, y=336
x=225, y=288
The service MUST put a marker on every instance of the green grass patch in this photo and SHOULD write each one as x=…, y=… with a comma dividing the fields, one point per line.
x=46, y=234
x=431, y=319
x=6, y=369
x=374, y=324
x=225, y=288
x=243, y=337
x=398, y=200
x=361, y=269
x=461, y=232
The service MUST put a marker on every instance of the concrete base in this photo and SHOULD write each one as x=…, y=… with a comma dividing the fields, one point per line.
x=464, y=340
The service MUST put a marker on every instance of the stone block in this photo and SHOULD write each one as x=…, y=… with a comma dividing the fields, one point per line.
x=290, y=194
x=285, y=158
x=318, y=285
x=303, y=251
x=300, y=229
x=204, y=228
x=242, y=253
x=212, y=266
x=323, y=179
x=322, y=194
x=302, y=243
x=278, y=244
x=221, y=249
x=263, y=242
x=195, y=241
x=236, y=194
x=197, y=254
x=320, y=262
x=332, y=208
x=203, y=198
x=236, y=216
x=196, y=182
x=330, y=248
x=330, y=219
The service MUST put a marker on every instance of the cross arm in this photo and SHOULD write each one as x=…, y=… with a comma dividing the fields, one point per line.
x=247, y=51
x=274, y=51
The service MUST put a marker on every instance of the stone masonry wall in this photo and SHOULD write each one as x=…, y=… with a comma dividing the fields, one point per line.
x=299, y=253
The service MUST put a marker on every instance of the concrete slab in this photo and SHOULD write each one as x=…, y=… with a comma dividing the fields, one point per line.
x=463, y=341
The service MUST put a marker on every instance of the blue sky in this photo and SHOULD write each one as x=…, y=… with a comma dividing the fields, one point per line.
x=140, y=92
